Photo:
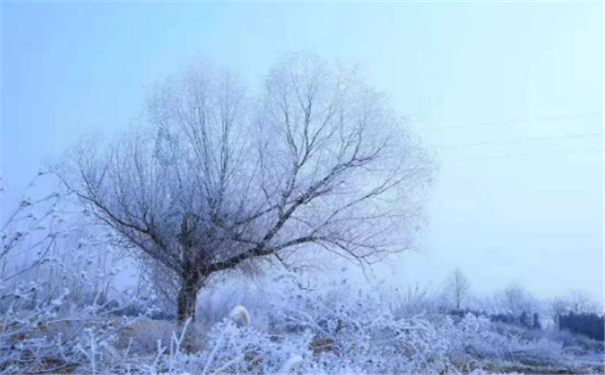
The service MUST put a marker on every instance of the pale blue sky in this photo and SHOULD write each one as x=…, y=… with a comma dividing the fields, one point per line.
x=70, y=68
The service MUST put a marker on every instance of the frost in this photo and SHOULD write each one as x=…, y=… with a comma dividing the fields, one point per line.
x=26, y=201
x=292, y=362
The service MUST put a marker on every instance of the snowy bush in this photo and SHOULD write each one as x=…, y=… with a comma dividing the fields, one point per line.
x=57, y=314
x=356, y=329
x=228, y=349
x=478, y=337
x=58, y=338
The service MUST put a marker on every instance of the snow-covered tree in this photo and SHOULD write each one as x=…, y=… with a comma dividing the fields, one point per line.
x=214, y=179
x=515, y=299
x=576, y=301
x=457, y=289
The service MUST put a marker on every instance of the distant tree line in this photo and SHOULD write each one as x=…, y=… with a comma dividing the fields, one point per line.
x=574, y=312
x=588, y=324
x=529, y=321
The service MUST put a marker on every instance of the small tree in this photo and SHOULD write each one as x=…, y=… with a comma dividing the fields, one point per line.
x=576, y=301
x=457, y=289
x=213, y=179
x=516, y=300
x=579, y=302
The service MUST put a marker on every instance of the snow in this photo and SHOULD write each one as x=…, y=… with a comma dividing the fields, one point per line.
x=336, y=329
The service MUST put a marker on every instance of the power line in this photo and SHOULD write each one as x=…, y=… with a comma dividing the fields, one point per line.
x=505, y=122
x=510, y=156
x=516, y=141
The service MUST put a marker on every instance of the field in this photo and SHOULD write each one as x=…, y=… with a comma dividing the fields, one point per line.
x=330, y=327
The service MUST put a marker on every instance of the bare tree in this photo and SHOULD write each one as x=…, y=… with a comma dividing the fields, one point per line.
x=457, y=289
x=214, y=179
x=515, y=299
x=581, y=302
x=576, y=301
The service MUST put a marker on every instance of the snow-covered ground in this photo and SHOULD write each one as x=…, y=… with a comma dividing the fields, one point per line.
x=62, y=312
x=297, y=327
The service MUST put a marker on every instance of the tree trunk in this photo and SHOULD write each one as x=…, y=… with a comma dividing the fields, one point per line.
x=186, y=308
x=187, y=299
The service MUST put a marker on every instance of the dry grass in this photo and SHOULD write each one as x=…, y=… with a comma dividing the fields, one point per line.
x=144, y=335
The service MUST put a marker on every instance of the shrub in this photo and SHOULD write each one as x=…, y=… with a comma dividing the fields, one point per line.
x=590, y=325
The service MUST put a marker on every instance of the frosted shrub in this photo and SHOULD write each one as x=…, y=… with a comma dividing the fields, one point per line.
x=56, y=313
x=52, y=338
x=479, y=338
x=230, y=349
x=355, y=329
x=246, y=350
